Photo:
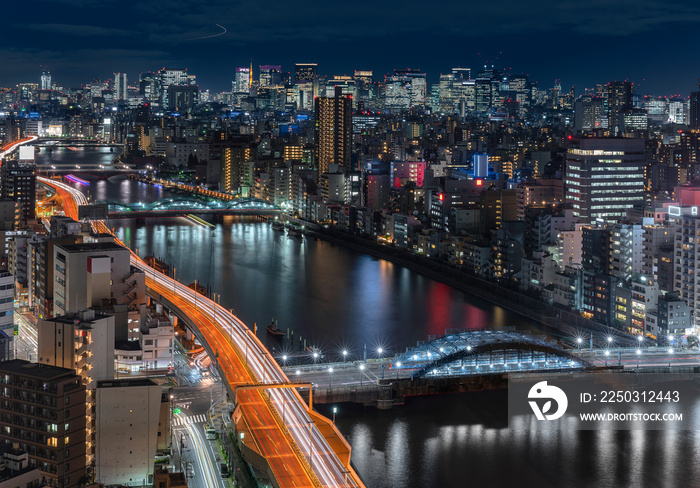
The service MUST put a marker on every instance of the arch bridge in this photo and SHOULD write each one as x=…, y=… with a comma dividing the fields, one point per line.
x=472, y=352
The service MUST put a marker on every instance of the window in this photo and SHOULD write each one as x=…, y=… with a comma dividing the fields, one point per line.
x=67, y=440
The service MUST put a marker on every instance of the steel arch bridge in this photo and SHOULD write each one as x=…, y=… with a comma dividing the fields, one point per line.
x=483, y=351
x=190, y=205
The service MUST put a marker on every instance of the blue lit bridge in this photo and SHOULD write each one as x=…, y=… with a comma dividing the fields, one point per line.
x=464, y=360
x=173, y=207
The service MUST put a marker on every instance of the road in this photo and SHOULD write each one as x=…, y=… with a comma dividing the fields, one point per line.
x=277, y=422
x=191, y=448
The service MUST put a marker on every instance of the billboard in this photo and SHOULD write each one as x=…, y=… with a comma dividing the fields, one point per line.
x=26, y=153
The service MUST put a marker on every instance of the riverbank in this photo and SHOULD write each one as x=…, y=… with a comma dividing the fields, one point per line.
x=569, y=324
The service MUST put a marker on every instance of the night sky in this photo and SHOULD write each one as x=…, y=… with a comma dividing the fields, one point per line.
x=652, y=43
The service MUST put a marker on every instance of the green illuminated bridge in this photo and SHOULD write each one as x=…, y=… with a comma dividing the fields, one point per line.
x=168, y=207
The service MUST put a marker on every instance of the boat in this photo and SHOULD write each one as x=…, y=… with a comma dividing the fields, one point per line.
x=273, y=330
x=277, y=225
x=293, y=232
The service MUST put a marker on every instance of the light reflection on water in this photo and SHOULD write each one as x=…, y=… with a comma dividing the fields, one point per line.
x=334, y=296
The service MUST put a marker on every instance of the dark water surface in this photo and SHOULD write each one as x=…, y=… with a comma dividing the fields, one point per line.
x=336, y=298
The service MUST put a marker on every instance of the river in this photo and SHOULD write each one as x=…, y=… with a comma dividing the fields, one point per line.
x=339, y=299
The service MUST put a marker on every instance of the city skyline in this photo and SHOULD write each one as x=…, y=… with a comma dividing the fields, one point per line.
x=576, y=45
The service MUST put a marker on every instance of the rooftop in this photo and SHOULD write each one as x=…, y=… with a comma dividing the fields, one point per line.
x=93, y=247
x=35, y=370
x=126, y=383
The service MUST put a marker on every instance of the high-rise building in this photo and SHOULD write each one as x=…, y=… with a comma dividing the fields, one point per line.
x=333, y=131
x=694, y=109
x=405, y=89
x=604, y=178
x=619, y=100
x=149, y=87
x=43, y=412
x=45, y=80
x=120, y=87
x=270, y=75
x=306, y=80
x=364, y=86
x=19, y=185
x=305, y=72
x=168, y=77
x=589, y=114
x=241, y=84
x=182, y=98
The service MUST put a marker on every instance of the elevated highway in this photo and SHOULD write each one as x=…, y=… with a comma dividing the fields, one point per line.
x=279, y=433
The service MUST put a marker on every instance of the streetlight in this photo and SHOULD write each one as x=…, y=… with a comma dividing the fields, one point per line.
x=335, y=410
x=362, y=372
x=640, y=338
x=345, y=354
x=315, y=355
x=639, y=353
x=330, y=376
x=579, y=341
x=670, y=353
x=610, y=339
x=607, y=353
x=398, y=365
x=670, y=339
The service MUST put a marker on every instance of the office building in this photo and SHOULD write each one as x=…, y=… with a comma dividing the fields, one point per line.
x=168, y=77
x=46, y=80
x=694, y=110
x=270, y=75
x=604, y=178
x=619, y=100
x=333, y=131
x=120, y=87
x=241, y=83
x=43, y=413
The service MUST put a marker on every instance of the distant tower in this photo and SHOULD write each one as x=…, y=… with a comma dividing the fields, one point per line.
x=120, y=90
x=695, y=109
x=619, y=99
x=45, y=80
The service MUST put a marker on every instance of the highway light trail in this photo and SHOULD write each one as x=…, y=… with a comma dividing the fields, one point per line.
x=278, y=420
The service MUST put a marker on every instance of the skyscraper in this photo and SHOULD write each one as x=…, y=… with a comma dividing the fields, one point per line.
x=169, y=77
x=619, y=100
x=604, y=178
x=270, y=75
x=333, y=131
x=241, y=84
x=306, y=79
x=694, y=114
x=120, y=91
x=45, y=80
